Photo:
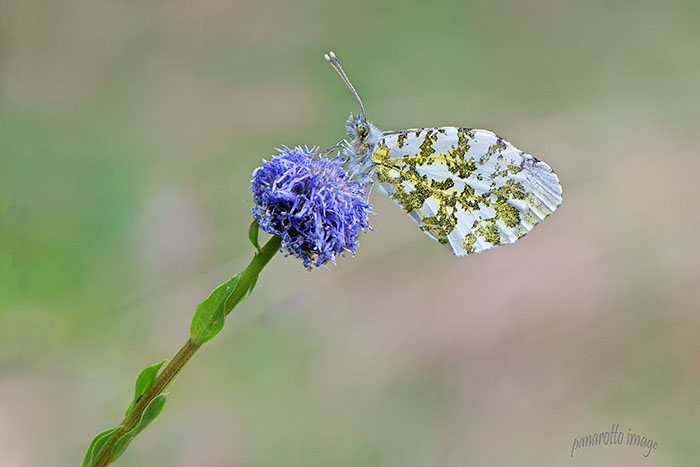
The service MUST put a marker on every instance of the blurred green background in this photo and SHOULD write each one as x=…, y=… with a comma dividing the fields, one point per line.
x=128, y=133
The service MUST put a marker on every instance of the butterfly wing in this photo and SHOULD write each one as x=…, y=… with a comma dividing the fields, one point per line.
x=467, y=189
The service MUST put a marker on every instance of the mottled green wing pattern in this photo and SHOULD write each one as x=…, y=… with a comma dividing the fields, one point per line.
x=467, y=189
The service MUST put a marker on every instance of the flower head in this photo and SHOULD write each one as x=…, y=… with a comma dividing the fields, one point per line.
x=311, y=202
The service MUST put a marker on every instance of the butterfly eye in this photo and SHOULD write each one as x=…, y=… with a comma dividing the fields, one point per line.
x=362, y=130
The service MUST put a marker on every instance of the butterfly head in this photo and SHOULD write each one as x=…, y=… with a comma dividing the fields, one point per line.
x=361, y=132
x=363, y=137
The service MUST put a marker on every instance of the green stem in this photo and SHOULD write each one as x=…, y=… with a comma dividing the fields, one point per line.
x=159, y=385
x=251, y=272
x=181, y=358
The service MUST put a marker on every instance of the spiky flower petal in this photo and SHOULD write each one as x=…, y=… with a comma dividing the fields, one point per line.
x=310, y=201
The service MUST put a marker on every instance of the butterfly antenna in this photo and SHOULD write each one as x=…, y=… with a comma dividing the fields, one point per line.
x=333, y=60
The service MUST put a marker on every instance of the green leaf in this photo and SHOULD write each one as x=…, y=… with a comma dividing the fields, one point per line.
x=152, y=410
x=208, y=319
x=253, y=234
x=244, y=296
x=143, y=383
x=95, y=446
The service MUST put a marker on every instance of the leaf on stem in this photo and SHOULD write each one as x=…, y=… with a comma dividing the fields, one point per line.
x=95, y=446
x=143, y=383
x=209, y=317
x=253, y=235
x=152, y=410
x=230, y=306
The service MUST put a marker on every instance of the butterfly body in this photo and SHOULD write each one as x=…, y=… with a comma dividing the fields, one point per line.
x=468, y=189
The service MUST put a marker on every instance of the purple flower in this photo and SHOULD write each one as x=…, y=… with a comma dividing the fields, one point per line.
x=310, y=201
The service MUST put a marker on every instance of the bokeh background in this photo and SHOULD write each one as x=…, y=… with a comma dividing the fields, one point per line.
x=128, y=133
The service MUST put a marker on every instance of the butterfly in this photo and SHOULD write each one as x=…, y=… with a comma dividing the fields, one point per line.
x=468, y=189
